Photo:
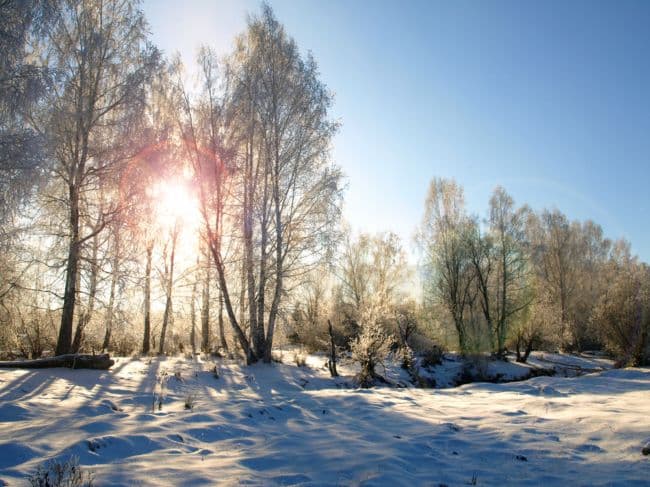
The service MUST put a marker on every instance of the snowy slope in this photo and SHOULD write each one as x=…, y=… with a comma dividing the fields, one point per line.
x=287, y=425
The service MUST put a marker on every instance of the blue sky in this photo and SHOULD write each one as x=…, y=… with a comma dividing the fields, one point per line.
x=549, y=99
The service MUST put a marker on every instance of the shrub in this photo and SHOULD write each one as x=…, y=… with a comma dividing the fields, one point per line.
x=371, y=347
x=190, y=401
x=61, y=474
x=406, y=357
x=475, y=369
x=432, y=356
x=623, y=315
x=300, y=360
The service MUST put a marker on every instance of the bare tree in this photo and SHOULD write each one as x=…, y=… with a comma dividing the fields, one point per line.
x=623, y=311
x=481, y=252
x=593, y=255
x=294, y=188
x=449, y=277
x=205, y=138
x=555, y=254
x=371, y=268
x=99, y=51
x=271, y=132
x=508, y=229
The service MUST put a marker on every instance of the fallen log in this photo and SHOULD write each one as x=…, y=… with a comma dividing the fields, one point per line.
x=71, y=361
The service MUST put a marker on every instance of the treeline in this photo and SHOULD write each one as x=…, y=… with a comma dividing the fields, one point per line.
x=527, y=280
x=515, y=280
x=94, y=121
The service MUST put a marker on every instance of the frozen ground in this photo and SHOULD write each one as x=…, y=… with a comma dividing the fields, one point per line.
x=287, y=425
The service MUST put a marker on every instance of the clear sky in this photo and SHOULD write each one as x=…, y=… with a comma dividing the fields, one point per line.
x=549, y=99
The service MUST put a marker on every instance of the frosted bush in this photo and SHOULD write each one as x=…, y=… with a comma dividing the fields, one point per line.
x=61, y=474
x=371, y=347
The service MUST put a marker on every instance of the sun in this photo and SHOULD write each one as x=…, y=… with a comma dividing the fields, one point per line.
x=176, y=205
x=178, y=219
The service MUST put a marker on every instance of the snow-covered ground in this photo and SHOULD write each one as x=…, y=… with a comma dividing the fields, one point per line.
x=284, y=425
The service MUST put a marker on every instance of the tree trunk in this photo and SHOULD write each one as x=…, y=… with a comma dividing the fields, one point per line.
x=64, y=342
x=331, y=365
x=111, y=300
x=249, y=196
x=165, y=324
x=78, y=312
x=85, y=317
x=259, y=339
x=483, y=276
x=639, y=358
x=527, y=344
x=193, y=317
x=109, y=316
x=146, y=342
x=222, y=335
x=257, y=327
x=205, y=309
x=239, y=334
x=529, y=349
x=168, y=292
x=243, y=310
x=279, y=248
x=519, y=358
x=501, y=332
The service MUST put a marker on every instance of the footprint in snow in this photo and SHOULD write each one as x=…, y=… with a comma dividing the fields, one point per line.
x=589, y=448
x=111, y=405
x=452, y=427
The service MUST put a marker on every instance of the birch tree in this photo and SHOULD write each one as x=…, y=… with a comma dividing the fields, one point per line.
x=449, y=276
x=303, y=187
x=99, y=50
x=271, y=132
x=371, y=268
x=508, y=229
x=623, y=311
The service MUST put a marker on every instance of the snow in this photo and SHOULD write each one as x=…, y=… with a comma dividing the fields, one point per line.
x=281, y=424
